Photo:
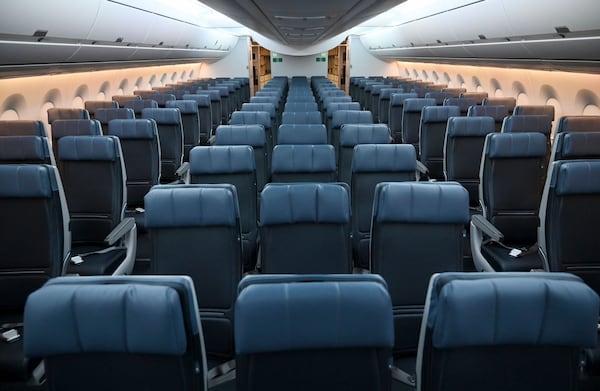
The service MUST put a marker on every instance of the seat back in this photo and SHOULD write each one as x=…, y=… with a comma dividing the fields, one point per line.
x=531, y=123
x=215, y=105
x=411, y=119
x=299, y=117
x=187, y=222
x=327, y=316
x=133, y=332
x=568, y=217
x=579, y=123
x=106, y=115
x=342, y=117
x=123, y=99
x=162, y=99
x=396, y=113
x=335, y=106
x=190, y=122
x=535, y=110
x=34, y=191
x=510, y=326
x=463, y=103
x=73, y=127
x=303, y=163
x=56, y=113
x=384, y=103
x=417, y=230
x=477, y=96
x=302, y=134
x=355, y=134
x=372, y=164
x=170, y=134
x=22, y=128
x=513, y=161
x=293, y=105
x=92, y=105
x=137, y=105
x=440, y=96
x=463, y=147
x=205, y=120
x=305, y=228
x=26, y=150
x=257, y=118
x=141, y=154
x=232, y=164
x=432, y=133
x=508, y=102
x=266, y=106
x=497, y=112
x=93, y=175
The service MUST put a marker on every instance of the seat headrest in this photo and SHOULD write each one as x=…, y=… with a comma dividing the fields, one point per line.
x=251, y=118
x=138, y=105
x=301, y=117
x=56, y=113
x=576, y=177
x=163, y=116
x=22, y=128
x=303, y=158
x=304, y=203
x=535, y=110
x=215, y=95
x=527, y=123
x=335, y=106
x=282, y=316
x=497, y=112
x=512, y=309
x=506, y=145
x=75, y=127
x=25, y=148
x=105, y=115
x=340, y=117
x=191, y=206
x=162, y=99
x=384, y=158
x=300, y=106
x=386, y=93
x=397, y=99
x=143, y=129
x=268, y=107
x=89, y=148
x=188, y=106
x=427, y=202
x=302, y=134
x=116, y=318
x=253, y=135
x=578, y=145
x=222, y=159
x=582, y=123
x=27, y=181
x=414, y=105
x=469, y=126
x=353, y=134
x=432, y=114
x=202, y=100
x=463, y=103
x=93, y=105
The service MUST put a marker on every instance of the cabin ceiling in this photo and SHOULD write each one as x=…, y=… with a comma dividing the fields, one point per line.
x=301, y=22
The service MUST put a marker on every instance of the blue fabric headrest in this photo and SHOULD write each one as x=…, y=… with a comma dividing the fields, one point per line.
x=122, y=318
x=503, y=145
x=222, y=159
x=414, y=105
x=497, y=112
x=386, y=93
x=163, y=116
x=89, y=148
x=188, y=106
x=138, y=105
x=191, y=206
x=578, y=145
x=576, y=177
x=304, y=203
x=303, y=158
x=439, y=113
x=30, y=148
x=469, y=126
x=75, y=127
x=105, y=115
x=133, y=128
x=22, y=127
x=215, y=95
x=202, y=100
x=397, y=99
x=354, y=134
x=253, y=135
x=313, y=315
x=513, y=310
x=251, y=118
x=582, y=123
x=268, y=107
x=162, y=99
x=302, y=134
x=463, y=103
x=27, y=181
x=302, y=117
x=333, y=107
x=527, y=123
x=427, y=202
x=384, y=157
x=341, y=117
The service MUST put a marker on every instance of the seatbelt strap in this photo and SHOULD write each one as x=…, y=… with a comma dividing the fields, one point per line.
x=78, y=259
x=221, y=374
x=404, y=377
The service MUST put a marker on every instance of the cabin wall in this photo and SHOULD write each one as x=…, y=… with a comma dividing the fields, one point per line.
x=299, y=65
x=570, y=93
x=30, y=97
x=235, y=64
x=363, y=63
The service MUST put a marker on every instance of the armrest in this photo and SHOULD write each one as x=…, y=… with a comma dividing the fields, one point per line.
x=183, y=169
x=487, y=228
x=120, y=230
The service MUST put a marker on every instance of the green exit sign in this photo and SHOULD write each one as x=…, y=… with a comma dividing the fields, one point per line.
x=321, y=59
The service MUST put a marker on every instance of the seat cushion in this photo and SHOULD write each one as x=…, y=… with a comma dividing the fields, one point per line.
x=101, y=263
x=499, y=258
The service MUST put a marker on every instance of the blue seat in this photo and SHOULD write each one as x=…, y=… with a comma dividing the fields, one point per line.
x=303, y=163
x=104, y=116
x=56, y=113
x=384, y=102
x=417, y=229
x=190, y=122
x=34, y=246
x=512, y=177
x=372, y=164
x=497, y=112
x=531, y=123
x=440, y=96
x=293, y=105
x=257, y=118
x=162, y=99
x=205, y=120
x=333, y=107
x=535, y=110
x=411, y=120
x=137, y=105
x=233, y=164
x=500, y=331
x=195, y=231
x=432, y=133
x=26, y=150
x=395, y=113
x=252, y=135
x=170, y=134
x=138, y=332
x=94, y=179
x=478, y=97
x=352, y=135
x=463, y=147
x=305, y=228
x=123, y=99
x=302, y=134
x=463, y=103
x=301, y=117
x=508, y=102
x=215, y=105
x=73, y=127
x=267, y=106
x=92, y=105
x=22, y=128
x=335, y=331
x=343, y=117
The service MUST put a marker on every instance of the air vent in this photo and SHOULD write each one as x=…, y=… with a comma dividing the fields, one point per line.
x=562, y=29
x=481, y=36
x=283, y=17
x=40, y=33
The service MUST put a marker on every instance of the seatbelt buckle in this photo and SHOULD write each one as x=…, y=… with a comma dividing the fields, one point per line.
x=515, y=253
x=10, y=336
x=77, y=260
